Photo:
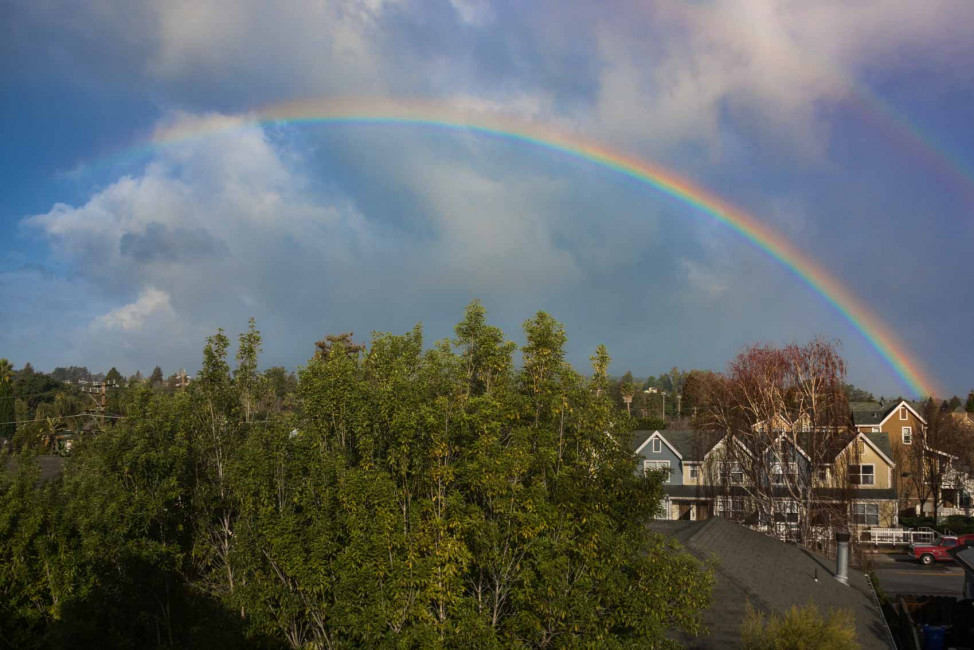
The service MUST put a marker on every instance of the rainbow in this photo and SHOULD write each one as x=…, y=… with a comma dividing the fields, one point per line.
x=491, y=123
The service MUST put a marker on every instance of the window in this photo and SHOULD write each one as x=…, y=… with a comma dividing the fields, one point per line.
x=865, y=514
x=862, y=474
x=823, y=474
x=903, y=415
x=657, y=445
x=907, y=435
x=694, y=471
x=949, y=542
x=782, y=473
x=787, y=513
x=654, y=465
x=732, y=473
x=730, y=507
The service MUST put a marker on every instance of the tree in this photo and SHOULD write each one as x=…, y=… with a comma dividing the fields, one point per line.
x=855, y=394
x=156, y=378
x=8, y=413
x=784, y=414
x=415, y=496
x=628, y=390
x=245, y=377
x=937, y=444
x=114, y=378
x=324, y=346
x=969, y=404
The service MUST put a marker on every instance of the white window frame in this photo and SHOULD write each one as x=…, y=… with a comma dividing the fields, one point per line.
x=862, y=515
x=654, y=465
x=657, y=445
x=903, y=414
x=694, y=471
x=907, y=435
x=860, y=474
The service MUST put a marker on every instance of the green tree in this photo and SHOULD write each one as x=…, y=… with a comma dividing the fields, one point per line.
x=8, y=413
x=245, y=376
x=156, y=378
x=969, y=404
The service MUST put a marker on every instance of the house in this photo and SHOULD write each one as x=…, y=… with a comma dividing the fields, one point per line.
x=704, y=477
x=900, y=420
x=771, y=576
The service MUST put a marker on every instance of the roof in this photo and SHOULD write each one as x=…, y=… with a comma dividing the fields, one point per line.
x=691, y=445
x=881, y=441
x=773, y=576
x=964, y=556
x=873, y=413
x=709, y=492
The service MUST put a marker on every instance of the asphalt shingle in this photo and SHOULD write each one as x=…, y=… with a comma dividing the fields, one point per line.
x=772, y=576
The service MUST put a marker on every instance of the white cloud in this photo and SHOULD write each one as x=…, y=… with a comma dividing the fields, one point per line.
x=151, y=304
x=676, y=72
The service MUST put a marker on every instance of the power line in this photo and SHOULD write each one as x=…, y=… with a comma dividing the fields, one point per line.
x=63, y=417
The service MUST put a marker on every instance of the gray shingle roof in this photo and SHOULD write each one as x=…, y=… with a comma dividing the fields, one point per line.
x=692, y=445
x=872, y=413
x=772, y=576
x=881, y=440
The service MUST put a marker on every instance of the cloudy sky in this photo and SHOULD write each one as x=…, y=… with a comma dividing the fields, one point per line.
x=845, y=127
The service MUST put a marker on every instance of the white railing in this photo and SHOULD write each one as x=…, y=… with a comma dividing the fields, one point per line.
x=900, y=536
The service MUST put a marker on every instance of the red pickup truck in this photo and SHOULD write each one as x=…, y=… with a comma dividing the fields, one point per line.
x=927, y=554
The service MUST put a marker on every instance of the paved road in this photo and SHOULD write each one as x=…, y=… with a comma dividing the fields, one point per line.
x=899, y=574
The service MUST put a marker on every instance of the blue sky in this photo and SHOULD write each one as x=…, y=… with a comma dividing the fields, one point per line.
x=115, y=254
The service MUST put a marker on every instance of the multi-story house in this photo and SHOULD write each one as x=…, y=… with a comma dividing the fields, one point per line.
x=853, y=482
x=902, y=422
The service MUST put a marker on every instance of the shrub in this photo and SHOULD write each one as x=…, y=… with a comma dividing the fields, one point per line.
x=799, y=629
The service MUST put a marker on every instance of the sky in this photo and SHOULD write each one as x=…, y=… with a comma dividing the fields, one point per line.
x=844, y=127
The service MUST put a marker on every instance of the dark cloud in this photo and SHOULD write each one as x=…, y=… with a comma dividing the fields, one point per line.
x=160, y=242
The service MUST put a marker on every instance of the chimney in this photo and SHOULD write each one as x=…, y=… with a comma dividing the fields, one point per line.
x=842, y=557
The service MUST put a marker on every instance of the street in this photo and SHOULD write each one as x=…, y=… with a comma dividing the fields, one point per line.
x=899, y=574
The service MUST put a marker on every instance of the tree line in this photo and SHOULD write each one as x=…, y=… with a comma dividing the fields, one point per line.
x=393, y=494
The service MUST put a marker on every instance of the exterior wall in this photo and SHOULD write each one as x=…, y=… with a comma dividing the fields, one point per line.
x=665, y=453
x=863, y=454
x=689, y=480
x=894, y=428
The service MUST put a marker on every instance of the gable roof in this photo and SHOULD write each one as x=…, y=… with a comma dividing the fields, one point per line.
x=772, y=576
x=876, y=413
x=689, y=446
x=657, y=434
x=879, y=442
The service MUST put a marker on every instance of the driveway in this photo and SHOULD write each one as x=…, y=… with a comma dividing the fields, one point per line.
x=899, y=574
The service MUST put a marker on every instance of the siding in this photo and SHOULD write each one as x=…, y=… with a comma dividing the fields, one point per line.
x=665, y=453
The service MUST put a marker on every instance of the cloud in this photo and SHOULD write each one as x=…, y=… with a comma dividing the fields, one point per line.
x=152, y=304
x=680, y=70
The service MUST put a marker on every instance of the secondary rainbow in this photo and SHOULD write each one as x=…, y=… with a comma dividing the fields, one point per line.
x=491, y=123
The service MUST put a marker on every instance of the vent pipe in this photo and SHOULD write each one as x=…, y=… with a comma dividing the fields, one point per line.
x=842, y=557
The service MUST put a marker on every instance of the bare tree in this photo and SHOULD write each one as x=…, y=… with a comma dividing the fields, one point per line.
x=936, y=448
x=785, y=419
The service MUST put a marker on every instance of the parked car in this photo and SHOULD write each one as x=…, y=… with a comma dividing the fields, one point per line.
x=927, y=554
